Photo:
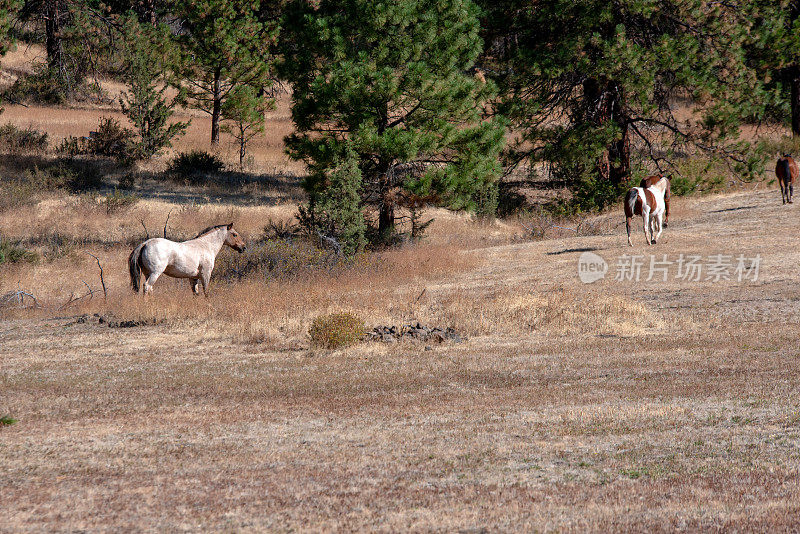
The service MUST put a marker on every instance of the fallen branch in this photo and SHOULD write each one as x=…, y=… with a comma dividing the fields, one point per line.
x=18, y=296
x=146, y=233
x=73, y=299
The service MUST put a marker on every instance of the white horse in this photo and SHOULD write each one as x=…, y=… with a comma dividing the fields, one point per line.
x=649, y=203
x=193, y=259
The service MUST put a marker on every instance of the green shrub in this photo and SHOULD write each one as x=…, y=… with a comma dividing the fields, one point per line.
x=43, y=86
x=55, y=87
x=13, y=253
x=110, y=140
x=683, y=185
x=119, y=201
x=128, y=180
x=336, y=330
x=7, y=420
x=48, y=178
x=72, y=146
x=15, y=140
x=195, y=165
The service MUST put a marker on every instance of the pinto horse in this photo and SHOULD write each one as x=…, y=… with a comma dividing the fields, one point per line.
x=192, y=259
x=786, y=171
x=651, y=180
x=649, y=203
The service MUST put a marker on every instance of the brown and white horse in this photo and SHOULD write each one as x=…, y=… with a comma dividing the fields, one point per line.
x=651, y=180
x=786, y=171
x=649, y=203
x=192, y=259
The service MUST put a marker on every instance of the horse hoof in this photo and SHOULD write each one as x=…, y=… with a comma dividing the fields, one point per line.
x=790, y=202
x=654, y=242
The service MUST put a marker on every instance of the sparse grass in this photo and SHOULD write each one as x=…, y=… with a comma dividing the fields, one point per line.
x=13, y=253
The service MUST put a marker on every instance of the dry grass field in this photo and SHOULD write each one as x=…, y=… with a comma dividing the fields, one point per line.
x=613, y=406
x=646, y=406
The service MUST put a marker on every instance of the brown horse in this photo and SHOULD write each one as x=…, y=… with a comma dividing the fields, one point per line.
x=651, y=180
x=786, y=171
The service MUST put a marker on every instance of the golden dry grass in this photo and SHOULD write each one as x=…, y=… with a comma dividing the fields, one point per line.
x=613, y=406
x=616, y=406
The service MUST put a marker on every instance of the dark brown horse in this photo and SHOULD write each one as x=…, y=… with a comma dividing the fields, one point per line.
x=650, y=180
x=786, y=171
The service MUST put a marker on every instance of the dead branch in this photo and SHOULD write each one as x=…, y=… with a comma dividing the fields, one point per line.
x=102, y=281
x=331, y=242
x=146, y=233
x=167, y=222
x=73, y=299
x=18, y=296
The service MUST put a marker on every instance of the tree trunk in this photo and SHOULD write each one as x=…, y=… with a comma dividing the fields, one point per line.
x=242, y=146
x=603, y=101
x=217, y=109
x=795, y=101
x=387, y=205
x=794, y=77
x=52, y=34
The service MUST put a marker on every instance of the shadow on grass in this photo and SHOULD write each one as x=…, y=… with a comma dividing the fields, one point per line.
x=104, y=175
x=568, y=250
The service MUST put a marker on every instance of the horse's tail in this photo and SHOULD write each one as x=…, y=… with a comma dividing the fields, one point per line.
x=630, y=208
x=787, y=171
x=135, y=267
x=630, y=202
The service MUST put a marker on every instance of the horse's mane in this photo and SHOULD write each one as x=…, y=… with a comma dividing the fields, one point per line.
x=204, y=231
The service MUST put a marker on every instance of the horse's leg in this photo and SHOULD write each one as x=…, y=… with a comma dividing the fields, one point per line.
x=646, y=221
x=628, y=228
x=195, y=283
x=791, y=190
x=205, y=280
x=658, y=225
x=783, y=191
x=150, y=281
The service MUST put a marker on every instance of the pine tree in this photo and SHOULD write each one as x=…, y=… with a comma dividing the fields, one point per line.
x=244, y=111
x=7, y=7
x=773, y=49
x=334, y=207
x=389, y=79
x=586, y=83
x=150, y=58
x=226, y=46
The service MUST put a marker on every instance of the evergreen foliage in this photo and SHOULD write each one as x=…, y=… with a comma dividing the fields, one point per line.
x=389, y=80
x=244, y=112
x=151, y=58
x=225, y=46
x=334, y=208
x=581, y=81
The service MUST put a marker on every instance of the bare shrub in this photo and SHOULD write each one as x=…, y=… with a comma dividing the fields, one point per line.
x=14, y=140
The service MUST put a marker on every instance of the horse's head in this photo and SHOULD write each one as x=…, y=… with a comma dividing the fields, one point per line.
x=234, y=240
